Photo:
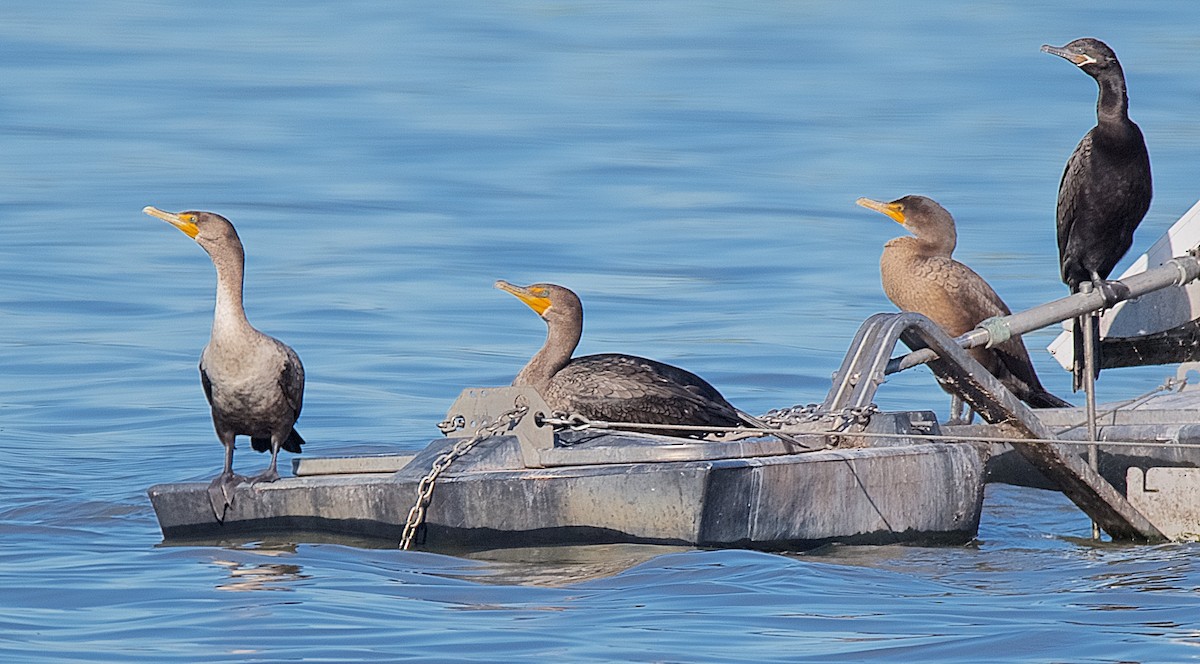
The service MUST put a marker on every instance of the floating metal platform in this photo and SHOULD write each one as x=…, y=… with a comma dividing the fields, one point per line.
x=594, y=488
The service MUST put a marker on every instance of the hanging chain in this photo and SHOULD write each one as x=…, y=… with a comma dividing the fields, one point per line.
x=416, y=515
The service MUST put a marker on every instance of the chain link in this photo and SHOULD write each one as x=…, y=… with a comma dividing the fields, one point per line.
x=779, y=418
x=838, y=420
x=792, y=415
x=416, y=515
x=573, y=421
x=451, y=425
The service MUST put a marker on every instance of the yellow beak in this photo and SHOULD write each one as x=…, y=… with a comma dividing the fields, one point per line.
x=536, y=302
x=185, y=223
x=893, y=210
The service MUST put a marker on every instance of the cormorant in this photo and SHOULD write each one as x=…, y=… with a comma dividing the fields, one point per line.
x=254, y=382
x=612, y=386
x=919, y=275
x=1106, y=186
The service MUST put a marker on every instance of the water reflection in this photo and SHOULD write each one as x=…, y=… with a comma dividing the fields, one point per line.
x=549, y=567
x=248, y=575
x=560, y=566
x=260, y=576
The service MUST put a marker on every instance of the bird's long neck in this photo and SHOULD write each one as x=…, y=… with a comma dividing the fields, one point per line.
x=561, y=339
x=1112, y=105
x=229, y=317
x=923, y=247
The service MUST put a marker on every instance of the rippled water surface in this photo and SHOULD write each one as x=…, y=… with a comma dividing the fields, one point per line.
x=688, y=168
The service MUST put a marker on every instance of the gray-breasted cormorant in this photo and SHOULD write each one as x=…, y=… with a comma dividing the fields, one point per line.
x=612, y=386
x=1106, y=186
x=919, y=275
x=254, y=382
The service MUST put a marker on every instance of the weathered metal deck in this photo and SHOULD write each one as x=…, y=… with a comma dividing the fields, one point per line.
x=1161, y=430
x=609, y=487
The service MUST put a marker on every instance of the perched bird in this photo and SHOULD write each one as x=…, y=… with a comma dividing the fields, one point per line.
x=254, y=383
x=919, y=275
x=1106, y=187
x=611, y=386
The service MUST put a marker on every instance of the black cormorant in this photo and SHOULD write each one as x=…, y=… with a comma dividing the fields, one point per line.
x=1106, y=187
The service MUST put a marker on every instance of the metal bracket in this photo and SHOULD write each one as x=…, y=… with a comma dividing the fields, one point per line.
x=866, y=363
x=480, y=406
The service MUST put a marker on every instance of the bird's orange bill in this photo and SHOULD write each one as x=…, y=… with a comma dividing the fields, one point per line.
x=539, y=303
x=184, y=222
x=893, y=210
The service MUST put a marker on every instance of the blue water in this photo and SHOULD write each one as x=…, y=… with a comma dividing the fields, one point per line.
x=688, y=168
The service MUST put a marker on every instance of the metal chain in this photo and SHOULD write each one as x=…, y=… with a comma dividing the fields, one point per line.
x=792, y=415
x=451, y=425
x=858, y=416
x=778, y=418
x=416, y=515
x=839, y=420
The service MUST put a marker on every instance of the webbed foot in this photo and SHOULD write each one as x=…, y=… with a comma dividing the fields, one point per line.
x=268, y=475
x=221, y=492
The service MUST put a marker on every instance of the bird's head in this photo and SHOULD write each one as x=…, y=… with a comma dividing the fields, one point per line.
x=208, y=229
x=1089, y=54
x=550, y=301
x=922, y=216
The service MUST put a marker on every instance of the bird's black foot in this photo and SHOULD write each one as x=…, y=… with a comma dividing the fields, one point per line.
x=222, y=491
x=1113, y=291
x=268, y=475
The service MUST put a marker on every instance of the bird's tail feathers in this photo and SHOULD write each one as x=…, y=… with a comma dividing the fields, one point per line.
x=1044, y=399
x=292, y=444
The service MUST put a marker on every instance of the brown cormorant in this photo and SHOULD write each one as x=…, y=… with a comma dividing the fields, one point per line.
x=612, y=386
x=1106, y=186
x=254, y=382
x=919, y=275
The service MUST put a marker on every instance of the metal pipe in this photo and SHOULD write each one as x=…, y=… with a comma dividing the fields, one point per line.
x=1089, y=322
x=1178, y=271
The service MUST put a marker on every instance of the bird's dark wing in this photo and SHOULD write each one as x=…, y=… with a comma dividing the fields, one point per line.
x=1009, y=361
x=1105, y=192
x=1018, y=373
x=972, y=291
x=1072, y=194
x=960, y=302
x=291, y=377
x=634, y=389
x=206, y=383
